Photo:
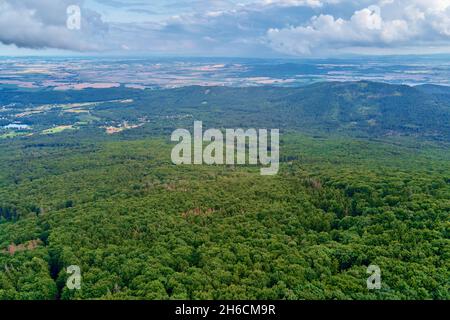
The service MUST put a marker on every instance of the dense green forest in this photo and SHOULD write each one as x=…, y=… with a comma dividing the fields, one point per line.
x=359, y=109
x=364, y=180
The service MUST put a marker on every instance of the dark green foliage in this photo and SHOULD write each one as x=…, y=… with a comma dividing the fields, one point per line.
x=362, y=109
x=142, y=228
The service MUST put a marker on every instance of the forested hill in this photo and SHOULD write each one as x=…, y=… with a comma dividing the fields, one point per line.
x=86, y=179
x=364, y=109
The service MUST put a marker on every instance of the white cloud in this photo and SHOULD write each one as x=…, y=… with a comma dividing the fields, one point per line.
x=393, y=23
x=230, y=27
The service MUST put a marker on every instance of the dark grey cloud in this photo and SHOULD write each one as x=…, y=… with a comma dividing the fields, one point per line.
x=42, y=24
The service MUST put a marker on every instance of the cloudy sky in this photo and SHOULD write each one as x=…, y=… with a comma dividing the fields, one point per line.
x=245, y=28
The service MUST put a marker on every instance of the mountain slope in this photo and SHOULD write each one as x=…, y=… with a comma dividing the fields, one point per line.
x=357, y=108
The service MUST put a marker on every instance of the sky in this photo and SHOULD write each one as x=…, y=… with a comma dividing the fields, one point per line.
x=226, y=28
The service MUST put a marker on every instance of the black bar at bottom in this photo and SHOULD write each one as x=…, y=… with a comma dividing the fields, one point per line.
x=218, y=309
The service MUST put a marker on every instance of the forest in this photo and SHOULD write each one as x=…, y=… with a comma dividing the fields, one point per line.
x=364, y=180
